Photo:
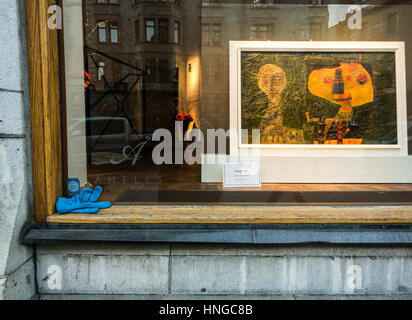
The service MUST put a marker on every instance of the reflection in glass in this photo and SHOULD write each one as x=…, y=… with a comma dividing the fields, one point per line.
x=150, y=61
x=150, y=30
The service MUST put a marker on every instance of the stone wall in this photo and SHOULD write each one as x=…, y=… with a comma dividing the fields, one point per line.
x=17, y=280
x=205, y=271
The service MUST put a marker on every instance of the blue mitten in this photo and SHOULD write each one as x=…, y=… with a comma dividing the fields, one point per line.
x=85, y=202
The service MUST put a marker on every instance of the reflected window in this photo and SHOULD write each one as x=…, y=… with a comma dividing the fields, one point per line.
x=392, y=23
x=107, y=1
x=176, y=32
x=100, y=71
x=260, y=3
x=164, y=71
x=163, y=30
x=102, y=33
x=151, y=70
x=206, y=3
x=316, y=31
x=150, y=30
x=259, y=32
x=137, y=31
x=365, y=30
x=216, y=34
x=114, y=32
x=108, y=31
x=205, y=34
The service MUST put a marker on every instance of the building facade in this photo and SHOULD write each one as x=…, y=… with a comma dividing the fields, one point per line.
x=181, y=51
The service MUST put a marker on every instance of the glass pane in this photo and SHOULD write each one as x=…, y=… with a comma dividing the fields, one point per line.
x=315, y=92
x=163, y=30
x=150, y=30
x=102, y=32
x=177, y=32
x=114, y=36
x=205, y=34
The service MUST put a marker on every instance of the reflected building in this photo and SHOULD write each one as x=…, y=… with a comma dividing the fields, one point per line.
x=154, y=42
x=380, y=23
x=250, y=20
x=182, y=49
x=262, y=20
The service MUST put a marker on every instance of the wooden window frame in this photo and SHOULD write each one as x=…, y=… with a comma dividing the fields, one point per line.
x=45, y=113
x=48, y=149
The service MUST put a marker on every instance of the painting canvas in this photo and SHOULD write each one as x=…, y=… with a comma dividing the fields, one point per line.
x=319, y=98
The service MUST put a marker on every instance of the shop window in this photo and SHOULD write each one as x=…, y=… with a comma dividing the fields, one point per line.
x=285, y=108
x=298, y=99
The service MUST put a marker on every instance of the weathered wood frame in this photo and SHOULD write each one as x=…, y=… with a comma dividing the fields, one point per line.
x=45, y=116
x=48, y=173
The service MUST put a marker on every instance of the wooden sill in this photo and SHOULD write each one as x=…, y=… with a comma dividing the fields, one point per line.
x=241, y=215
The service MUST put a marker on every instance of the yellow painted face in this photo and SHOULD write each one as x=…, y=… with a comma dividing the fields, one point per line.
x=347, y=85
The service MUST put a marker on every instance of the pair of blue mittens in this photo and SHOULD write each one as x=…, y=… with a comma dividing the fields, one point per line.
x=85, y=202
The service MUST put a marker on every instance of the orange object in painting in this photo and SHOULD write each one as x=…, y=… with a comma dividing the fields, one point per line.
x=349, y=85
x=344, y=141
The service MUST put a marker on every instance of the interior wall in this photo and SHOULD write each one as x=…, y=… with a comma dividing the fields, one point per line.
x=75, y=101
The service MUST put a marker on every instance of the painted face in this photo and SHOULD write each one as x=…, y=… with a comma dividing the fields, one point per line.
x=349, y=84
x=272, y=80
